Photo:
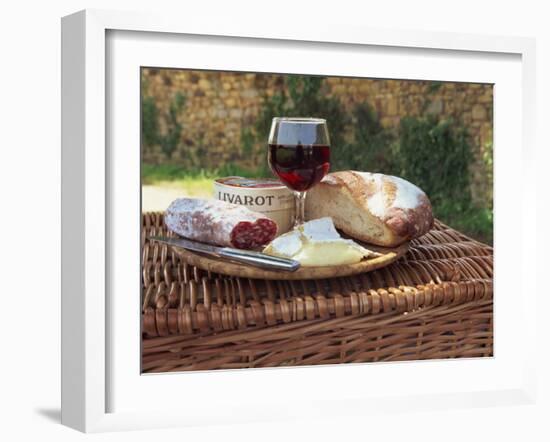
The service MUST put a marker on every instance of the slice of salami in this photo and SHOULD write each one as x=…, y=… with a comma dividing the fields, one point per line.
x=219, y=223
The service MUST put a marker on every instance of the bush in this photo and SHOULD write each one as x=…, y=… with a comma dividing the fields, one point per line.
x=435, y=155
x=171, y=139
x=476, y=222
x=150, y=124
x=149, y=121
x=373, y=147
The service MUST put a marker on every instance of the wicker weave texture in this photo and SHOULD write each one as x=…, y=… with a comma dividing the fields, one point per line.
x=435, y=302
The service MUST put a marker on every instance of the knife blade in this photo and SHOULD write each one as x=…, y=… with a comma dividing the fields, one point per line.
x=257, y=259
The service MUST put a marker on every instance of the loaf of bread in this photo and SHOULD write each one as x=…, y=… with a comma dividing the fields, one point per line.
x=372, y=207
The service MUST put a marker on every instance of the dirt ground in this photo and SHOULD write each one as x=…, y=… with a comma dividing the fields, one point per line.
x=158, y=198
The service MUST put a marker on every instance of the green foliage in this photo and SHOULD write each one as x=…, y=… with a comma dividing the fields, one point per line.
x=151, y=173
x=434, y=86
x=247, y=141
x=488, y=163
x=476, y=222
x=435, y=155
x=232, y=169
x=170, y=140
x=151, y=119
x=159, y=173
x=275, y=106
x=373, y=148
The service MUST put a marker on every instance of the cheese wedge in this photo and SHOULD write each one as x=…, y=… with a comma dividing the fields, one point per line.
x=316, y=243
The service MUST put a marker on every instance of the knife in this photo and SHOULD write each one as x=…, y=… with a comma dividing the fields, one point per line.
x=243, y=256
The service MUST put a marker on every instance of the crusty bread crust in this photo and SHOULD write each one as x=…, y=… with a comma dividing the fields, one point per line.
x=374, y=208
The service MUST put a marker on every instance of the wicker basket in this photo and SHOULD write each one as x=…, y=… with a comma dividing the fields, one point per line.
x=435, y=302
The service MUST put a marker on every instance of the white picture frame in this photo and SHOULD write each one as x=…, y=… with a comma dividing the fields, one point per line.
x=89, y=199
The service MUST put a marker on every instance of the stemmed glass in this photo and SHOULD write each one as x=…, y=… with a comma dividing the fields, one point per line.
x=299, y=154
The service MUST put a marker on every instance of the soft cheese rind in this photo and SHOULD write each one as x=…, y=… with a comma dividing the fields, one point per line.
x=317, y=243
x=320, y=229
x=286, y=245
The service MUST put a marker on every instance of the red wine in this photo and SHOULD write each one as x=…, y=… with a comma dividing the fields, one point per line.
x=299, y=167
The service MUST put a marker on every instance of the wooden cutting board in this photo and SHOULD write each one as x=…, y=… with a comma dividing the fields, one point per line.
x=216, y=265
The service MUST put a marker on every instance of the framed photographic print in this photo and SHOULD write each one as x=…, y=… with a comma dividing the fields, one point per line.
x=406, y=285
x=249, y=215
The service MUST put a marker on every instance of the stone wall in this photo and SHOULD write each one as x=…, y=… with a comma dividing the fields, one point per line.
x=220, y=105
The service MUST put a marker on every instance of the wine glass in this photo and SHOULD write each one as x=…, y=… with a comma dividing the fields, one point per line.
x=299, y=154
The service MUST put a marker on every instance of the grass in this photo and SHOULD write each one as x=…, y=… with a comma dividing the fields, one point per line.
x=167, y=173
x=196, y=183
x=475, y=222
x=472, y=221
x=190, y=186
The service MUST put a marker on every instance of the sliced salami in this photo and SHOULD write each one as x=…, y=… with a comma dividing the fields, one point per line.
x=219, y=223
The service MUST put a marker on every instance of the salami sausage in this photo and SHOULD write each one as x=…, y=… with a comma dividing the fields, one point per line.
x=219, y=223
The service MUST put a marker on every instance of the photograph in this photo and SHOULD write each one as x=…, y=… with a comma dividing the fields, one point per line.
x=299, y=220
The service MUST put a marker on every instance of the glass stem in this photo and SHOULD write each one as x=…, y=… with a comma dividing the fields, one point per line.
x=300, y=199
